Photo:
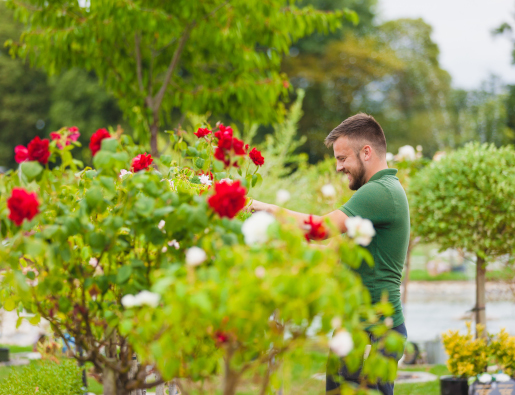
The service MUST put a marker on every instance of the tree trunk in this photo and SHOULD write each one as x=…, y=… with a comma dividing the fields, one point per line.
x=480, y=293
x=412, y=243
x=109, y=381
x=154, y=129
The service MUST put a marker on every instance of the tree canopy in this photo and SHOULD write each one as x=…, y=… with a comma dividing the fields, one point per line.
x=156, y=56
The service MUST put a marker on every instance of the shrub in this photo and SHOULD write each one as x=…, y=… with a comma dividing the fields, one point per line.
x=44, y=378
x=465, y=201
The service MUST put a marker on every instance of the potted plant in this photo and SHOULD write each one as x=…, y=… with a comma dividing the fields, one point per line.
x=468, y=357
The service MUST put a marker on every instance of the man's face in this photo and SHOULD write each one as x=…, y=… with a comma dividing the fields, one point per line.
x=348, y=162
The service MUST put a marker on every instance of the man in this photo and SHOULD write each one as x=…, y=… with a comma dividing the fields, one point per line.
x=359, y=146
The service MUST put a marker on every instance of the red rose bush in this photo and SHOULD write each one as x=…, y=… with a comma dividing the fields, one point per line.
x=158, y=257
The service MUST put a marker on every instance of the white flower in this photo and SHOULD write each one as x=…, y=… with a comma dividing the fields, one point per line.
x=388, y=321
x=485, y=378
x=204, y=179
x=328, y=190
x=360, y=229
x=93, y=262
x=501, y=377
x=164, y=249
x=144, y=297
x=260, y=272
x=129, y=301
x=195, y=256
x=161, y=224
x=227, y=180
x=389, y=156
x=149, y=298
x=171, y=184
x=406, y=152
x=282, y=196
x=336, y=322
x=124, y=172
x=341, y=343
x=419, y=148
x=174, y=244
x=255, y=228
x=98, y=271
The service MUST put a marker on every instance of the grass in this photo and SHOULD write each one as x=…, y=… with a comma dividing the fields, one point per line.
x=15, y=349
x=302, y=381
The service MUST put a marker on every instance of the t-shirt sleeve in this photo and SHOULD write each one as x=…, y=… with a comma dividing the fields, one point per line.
x=372, y=201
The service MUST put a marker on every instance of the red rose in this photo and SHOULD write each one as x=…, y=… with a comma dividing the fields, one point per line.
x=21, y=153
x=238, y=146
x=223, y=131
x=22, y=204
x=202, y=132
x=316, y=230
x=220, y=155
x=228, y=199
x=96, y=140
x=256, y=157
x=38, y=150
x=141, y=162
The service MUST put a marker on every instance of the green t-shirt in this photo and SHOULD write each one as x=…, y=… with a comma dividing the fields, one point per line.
x=383, y=201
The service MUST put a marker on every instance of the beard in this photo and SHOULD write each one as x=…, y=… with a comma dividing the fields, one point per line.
x=358, y=177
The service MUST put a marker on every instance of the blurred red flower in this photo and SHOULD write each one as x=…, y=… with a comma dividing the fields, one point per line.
x=256, y=157
x=202, y=132
x=141, y=162
x=72, y=134
x=22, y=205
x=228, y=199
x=37, y=149
x=316, y=231
x=96, y=140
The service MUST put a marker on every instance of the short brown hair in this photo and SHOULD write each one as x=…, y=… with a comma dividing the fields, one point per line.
x=359, y=127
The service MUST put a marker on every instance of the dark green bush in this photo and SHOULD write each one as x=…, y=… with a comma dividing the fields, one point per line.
x=50, y=378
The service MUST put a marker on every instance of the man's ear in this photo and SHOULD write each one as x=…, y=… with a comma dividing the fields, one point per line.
x=367, y=152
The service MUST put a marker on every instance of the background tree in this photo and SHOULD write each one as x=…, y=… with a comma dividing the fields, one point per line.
x=465, y=201
x=156, y=56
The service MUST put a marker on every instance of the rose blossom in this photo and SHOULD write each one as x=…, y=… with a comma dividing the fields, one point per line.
x=124, y=172
x=143, y=298
x=161, y=224
x=36, y=150
x=360, y=229
x=174, y=243
x=204, y=179
x=316, y=230
x=328, y=190
x=141, y=162
x=260, y=272
x=282, y=196
x=195, y=256
x=485, y=378
x=202, y=132
x=389, y=156
x=96, y=140
x=341, y=343
x=256, y=157
x=406, y=152
x=255, y=228
x=22, y=205
x=228, y=199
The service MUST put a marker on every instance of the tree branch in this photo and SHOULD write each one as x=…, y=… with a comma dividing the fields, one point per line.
x=137, y=42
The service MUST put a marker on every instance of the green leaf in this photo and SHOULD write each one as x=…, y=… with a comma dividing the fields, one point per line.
x=35, y=320
x=110, y=145
x=9, y=305
x=166, y=159
x=200, y=163
x=144, y=206
x=123, y=274
x=31, y=169
x=94, y=197
x=195, y=180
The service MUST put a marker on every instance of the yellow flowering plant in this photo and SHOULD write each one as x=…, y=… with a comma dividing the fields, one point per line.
x=467, y=356
x=503, y=350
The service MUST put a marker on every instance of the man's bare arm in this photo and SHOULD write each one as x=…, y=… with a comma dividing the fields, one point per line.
x=336, y=217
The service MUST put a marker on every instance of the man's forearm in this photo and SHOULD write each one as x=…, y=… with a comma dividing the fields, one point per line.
x=301, y=218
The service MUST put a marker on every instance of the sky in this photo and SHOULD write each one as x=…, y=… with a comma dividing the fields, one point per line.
x=462, y=30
